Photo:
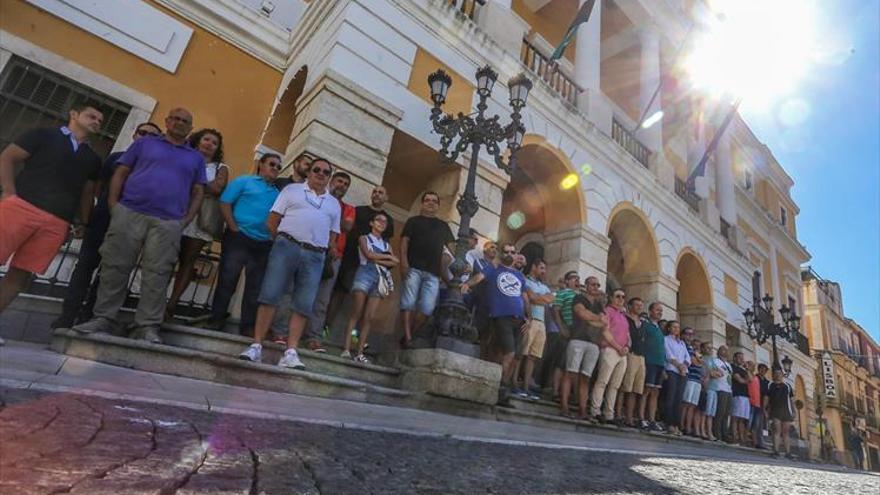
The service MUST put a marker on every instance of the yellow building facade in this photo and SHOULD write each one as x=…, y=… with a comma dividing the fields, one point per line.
x=848, y=381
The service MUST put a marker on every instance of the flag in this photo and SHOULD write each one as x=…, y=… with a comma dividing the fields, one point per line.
x=700, y=169
x=582, y=16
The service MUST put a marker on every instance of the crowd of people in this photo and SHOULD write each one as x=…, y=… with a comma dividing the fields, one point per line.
x=304, y=250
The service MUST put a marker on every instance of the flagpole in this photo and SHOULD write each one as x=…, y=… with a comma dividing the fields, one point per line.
x=660, y=83
x=714, y=143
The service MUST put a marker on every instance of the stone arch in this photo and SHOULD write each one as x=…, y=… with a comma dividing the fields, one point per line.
x=544, y=198
x=801, y=417
x=694, y=297
x=633, y=256
x=279, y=129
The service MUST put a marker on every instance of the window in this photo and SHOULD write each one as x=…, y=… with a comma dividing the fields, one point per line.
x=783, y=216
x=747, y=180
x=756, y=285
x=33, y=96
x=793, y=305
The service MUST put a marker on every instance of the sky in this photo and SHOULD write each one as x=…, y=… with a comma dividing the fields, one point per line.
x=826, y=134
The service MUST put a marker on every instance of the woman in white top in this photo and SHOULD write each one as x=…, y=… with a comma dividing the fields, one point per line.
x=208, y=142
x=376, y=259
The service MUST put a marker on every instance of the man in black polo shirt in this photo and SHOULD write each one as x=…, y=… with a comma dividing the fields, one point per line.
x=89, y=258
x=55, y=188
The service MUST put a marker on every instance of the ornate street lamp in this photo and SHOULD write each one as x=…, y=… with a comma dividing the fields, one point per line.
x=761, y=327
x=451, y=327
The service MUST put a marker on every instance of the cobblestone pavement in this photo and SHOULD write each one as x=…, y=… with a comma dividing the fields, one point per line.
x=66, y=443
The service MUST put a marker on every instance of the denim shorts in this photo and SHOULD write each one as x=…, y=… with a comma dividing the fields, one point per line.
x=292, y=268
x=653, y=375
x=420, y=291
x=366, y=280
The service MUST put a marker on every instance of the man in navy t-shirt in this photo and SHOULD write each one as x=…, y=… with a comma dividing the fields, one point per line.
x=504, y=293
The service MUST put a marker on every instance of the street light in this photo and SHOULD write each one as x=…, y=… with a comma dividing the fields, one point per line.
x=761, y=327
x=451, y=327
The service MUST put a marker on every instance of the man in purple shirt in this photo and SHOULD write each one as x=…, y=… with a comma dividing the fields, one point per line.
x=612, y=358
x=164, y=182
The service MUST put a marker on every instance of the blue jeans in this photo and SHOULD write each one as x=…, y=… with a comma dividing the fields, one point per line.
x=366, y=280
x=420, y=290
x=291, y=267
x=240, y=252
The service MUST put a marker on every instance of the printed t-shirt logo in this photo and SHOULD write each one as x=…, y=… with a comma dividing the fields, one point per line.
x=509, y=284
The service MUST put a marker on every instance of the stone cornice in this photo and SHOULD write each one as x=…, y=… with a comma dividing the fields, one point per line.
x=757, y=217
x=235, y=23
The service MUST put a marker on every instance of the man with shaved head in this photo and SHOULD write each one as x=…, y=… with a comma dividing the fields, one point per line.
x=155, y=192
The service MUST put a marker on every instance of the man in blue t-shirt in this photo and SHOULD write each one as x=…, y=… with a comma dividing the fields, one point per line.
x=507, y=304
x=245, y=205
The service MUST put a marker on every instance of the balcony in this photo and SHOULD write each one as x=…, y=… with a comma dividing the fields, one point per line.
x=681, y=190
x=539, y=63
x=627, y=140
x=467, y=8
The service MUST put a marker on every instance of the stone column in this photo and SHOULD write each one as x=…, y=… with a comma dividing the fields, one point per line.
x=654, y=287
x=346, y=124
x=503, y=25
x=651, y=137
x=579, y=249
x=587, y=71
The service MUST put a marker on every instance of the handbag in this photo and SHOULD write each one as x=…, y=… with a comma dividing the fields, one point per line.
x=386, y=283
x=210, y=219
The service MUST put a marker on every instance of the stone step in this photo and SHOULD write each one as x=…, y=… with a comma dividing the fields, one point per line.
x=231, y=345
x=218, y=368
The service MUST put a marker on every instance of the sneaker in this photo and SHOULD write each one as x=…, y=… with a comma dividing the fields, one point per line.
x=345, y=354
x=656, y=427
x=522, y=394
x=151, y=334
x=2, y=342
x=534, y=396
x=63, y=321
x=644, y=425
x=290, y=359
x=315, y=346
x=362, y=359
x=96, y=325
x=253, y=353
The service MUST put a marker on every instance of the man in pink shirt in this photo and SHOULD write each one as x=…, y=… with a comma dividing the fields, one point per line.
x=612, y=358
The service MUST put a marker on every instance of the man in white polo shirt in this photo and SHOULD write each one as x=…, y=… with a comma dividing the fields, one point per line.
x=304, y=221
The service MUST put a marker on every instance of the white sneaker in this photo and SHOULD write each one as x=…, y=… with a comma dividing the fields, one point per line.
x=253, y=353
x=290, y=359
x=362, y=359
x=345, y=354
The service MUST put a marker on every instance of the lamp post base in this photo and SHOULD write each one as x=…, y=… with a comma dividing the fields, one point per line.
x=449, y=328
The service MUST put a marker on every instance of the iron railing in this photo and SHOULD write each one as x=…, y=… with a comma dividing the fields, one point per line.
x=627, y=140
x=195, y=302
x=550, y=73
x=468, y=8
x=681, y=190
x=802, y=343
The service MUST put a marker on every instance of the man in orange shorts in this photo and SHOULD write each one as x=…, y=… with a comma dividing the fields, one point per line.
x=56, y=187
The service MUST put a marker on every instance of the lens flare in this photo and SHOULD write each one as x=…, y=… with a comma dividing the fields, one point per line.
x=653, y=119
x=516, y=220
x=756, y=49
x=586, y=169
x=569, y=181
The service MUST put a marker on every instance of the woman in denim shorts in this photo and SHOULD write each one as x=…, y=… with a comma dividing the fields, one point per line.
x=376, y=258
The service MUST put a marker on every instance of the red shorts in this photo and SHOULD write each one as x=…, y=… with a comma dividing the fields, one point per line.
x=31, y=236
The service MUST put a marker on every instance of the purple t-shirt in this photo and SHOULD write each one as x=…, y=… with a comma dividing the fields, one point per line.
x=161, y=178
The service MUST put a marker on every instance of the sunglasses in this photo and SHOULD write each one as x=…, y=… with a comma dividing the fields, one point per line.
x=508, y=251
x=619, y=296
x=275, y=166
x=323, y=171
x=142, y=133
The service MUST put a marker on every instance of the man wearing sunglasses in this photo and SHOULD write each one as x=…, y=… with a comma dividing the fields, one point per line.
x=305, y=221
x=614, y=347
x=89, y=258
x=507, y=303
x=245, y=205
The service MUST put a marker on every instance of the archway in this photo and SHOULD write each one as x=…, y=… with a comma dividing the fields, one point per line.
x=279, y=129
x=633, y=261
x=543, y=207
x=694, y=298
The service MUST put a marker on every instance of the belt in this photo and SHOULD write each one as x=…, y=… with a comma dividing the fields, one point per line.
x=304, y=245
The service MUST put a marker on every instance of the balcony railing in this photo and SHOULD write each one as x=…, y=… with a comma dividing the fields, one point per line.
x=690, y=198
x=539, y=63
x=622, y=136
x=468, y=8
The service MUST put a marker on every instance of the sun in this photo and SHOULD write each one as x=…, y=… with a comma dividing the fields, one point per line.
x=757, y=50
